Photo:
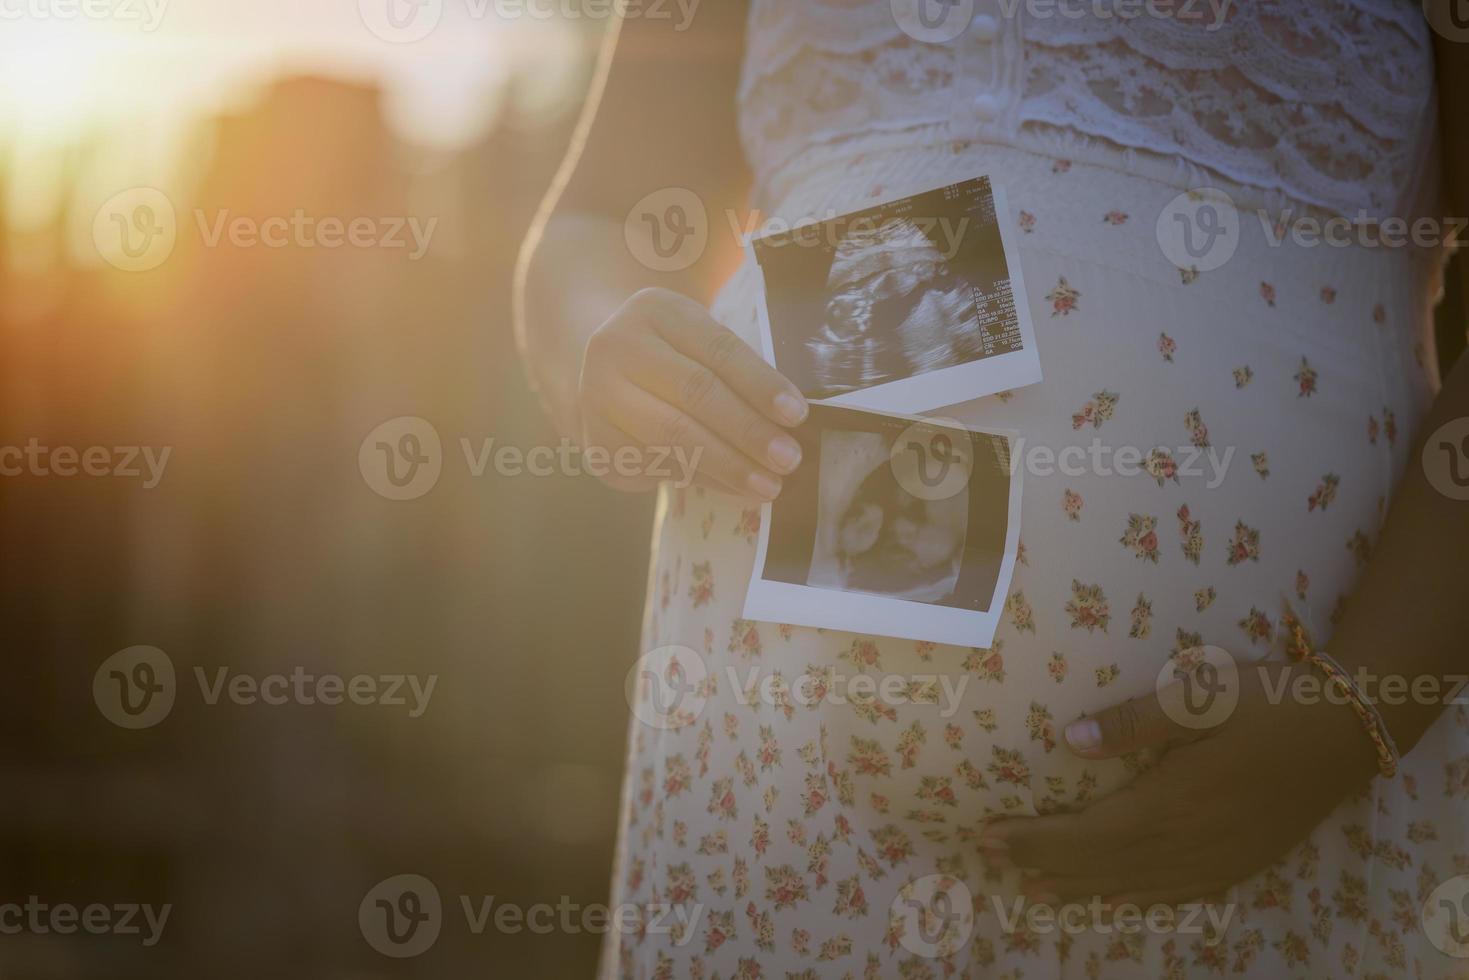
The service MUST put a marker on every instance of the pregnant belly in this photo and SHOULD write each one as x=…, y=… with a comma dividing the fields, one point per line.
x=1202, y=448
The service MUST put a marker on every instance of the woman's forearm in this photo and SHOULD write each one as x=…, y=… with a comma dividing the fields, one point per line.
x=576, y=274
x=1409, y=617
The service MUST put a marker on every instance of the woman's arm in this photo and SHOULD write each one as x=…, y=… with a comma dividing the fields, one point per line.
x=1408, y=616
x=622, y=354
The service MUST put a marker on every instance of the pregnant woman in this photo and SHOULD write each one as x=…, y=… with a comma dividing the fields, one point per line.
x=1329, y=835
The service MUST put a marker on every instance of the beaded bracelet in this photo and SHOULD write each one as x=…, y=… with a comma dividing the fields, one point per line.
x=1299, y=648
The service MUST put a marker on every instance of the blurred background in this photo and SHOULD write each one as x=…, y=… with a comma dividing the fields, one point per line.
x=262, y=548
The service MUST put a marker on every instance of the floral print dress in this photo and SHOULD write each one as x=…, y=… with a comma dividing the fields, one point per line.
x=1234, y=439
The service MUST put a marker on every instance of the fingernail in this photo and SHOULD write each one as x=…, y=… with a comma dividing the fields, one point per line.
x=785, y=453
x=791, y=407
x=1084, y=734
x=764, y=487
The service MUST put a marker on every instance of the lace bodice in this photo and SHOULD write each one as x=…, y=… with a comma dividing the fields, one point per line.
x=1322, y=103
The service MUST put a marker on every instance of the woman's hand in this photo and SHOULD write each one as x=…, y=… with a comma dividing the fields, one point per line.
x=661, y=374
x=1221, y=804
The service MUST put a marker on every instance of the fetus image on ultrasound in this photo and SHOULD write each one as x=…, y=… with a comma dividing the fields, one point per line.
x=896, y=307
x=873, y=536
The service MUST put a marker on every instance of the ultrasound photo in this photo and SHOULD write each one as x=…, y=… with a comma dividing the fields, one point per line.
x=903, y=307
x=897, y=526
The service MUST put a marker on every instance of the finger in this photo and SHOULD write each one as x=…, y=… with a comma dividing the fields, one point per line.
x=691, y=331
x=1090, y=842
x=1140, y=723
x=654, y=422
x=699, y=392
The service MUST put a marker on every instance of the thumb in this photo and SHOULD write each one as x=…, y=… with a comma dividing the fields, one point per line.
x=1140, y=723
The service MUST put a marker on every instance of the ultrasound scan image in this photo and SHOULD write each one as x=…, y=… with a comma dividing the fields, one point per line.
x=875, y=537
x=896, y=308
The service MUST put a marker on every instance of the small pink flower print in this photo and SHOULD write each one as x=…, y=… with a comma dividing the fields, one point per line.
x=1243, y=376
x=1328, y=295
x=1246, y=544
x=1184, y=640
x=1306, y=379
x=784, y=886
x=988, y=664
x=1106, y=675
x=1115, y=218
x=1303, y=583
x=1021, y=616
x=1379, y=314
x=786, y=630
x=862, y=654
x=706, y=525
x=1325, y=493
x=1189, y=276
x=1057, y=667
x=1361, y=548
x=1142, y=618
x=749, y=524
x=937, y=789
x=1008, y=766
x=1204, y=598
x=1027, y=222
x=924, y=649
x=744, y=638
x=1060, y=166
x=1063, y=298
x=1071, y=503
x=1267, y=293
x=1167, y=346
x=1261, y=463
x=851, y=901
x=1372, y=430
x=1192, y=533
x=1257, y=626
x=1198, y=432
x=1039, y=724
x=701, y=591
x=1390, y=426
x=1088, y=607
x=868, y=758
x=1096, y=411
x=892, y=844
x=1161, y=466
x=1141, y=537
x=722, y=799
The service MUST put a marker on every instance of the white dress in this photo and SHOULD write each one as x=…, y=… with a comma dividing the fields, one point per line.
x=788, y=832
